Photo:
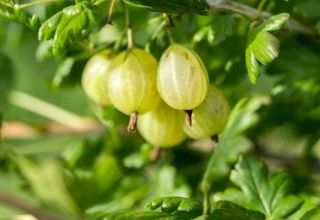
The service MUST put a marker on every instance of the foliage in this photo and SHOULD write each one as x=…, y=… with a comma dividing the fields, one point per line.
x=270, y=195
x=69, y=158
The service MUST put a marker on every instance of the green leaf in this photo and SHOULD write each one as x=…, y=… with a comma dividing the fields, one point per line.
x=260, y=191
x=263, y=46
x=173, y=6
x=224, y=210
x=232, y=143
x=14, y=12
x=142, y=215
x=173, y=204
x=68, y=27
x=313, y=214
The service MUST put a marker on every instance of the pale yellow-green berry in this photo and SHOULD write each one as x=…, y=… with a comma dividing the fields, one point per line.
x=161, y=126
x=209, y=118
x=132, y=82
x=182, y=78
x=94, y=78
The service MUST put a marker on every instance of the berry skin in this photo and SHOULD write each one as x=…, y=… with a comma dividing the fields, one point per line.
x=161, y=127
x=94, y=78
x=210, y=118
x=132, y=83
x=182, y=78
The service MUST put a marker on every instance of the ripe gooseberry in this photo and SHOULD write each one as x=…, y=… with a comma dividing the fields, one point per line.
x=94, y=78
x=209, y=118
x=182, y=78
x=161, y=126
x=132, y=83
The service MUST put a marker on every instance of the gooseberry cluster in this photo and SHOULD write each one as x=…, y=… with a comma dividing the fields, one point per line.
x=173, y=99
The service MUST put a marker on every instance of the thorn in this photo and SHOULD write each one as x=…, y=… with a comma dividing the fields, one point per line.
x=132, y=126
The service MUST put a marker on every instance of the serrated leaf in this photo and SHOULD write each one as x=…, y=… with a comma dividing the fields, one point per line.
x=14, y=12
x=224, y=210
x=260, y=191
x=274, y=23
x=48, y=28
x=263, y=46
x=173, y=6
x=232, y=143
x=252, y=65
x=173, y=204
x=68, y=26
x=143, y=215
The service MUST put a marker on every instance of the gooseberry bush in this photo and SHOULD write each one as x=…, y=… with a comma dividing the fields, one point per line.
x=154, y=109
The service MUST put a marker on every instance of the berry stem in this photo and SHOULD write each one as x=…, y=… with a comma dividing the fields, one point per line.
x=206, y=199
x=188, y=117
x=155, y=153
x=110, y=13
x=169, y=20
x=215, y=139
x=129, y=29
x=132, y=126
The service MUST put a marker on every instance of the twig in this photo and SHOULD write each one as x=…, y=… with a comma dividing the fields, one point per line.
x=35, y=211
x=48, y=110
x=129, y=29
x=110, y=13
x=252, y=13
x=206, y=199
x=20, y=130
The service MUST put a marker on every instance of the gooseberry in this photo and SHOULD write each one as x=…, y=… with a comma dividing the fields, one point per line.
x=132, y=84
x=94, y=78
x=161, y=126
x=209, y=118
x=182, y=78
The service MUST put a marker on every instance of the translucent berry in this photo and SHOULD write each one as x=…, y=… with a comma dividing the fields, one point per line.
x=209, y=118
x=161, y=126
x=94, y=78
x=132, y=83
x=182, y=78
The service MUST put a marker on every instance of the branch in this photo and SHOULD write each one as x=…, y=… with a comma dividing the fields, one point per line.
x=20, y=130
x=35, y=211
x=47, y=110
x=252, y=13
